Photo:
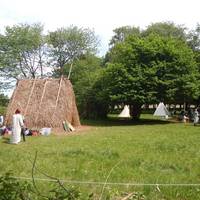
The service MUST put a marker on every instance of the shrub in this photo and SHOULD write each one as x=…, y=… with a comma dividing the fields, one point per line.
x=12, y=189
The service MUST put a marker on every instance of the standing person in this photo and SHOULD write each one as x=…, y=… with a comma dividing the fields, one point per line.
x=1, y=120
x=17, y=127
x=196, y=117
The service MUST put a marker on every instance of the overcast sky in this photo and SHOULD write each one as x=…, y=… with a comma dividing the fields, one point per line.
x=100, y=15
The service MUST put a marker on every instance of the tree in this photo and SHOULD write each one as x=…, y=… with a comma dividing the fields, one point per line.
x=23, y=52
x=3, y=100
x=121, y=33
x=68, y=44
x=166, y=29
x=85, y=74
x=145, y=70
x=194, y=43
x=194, y=38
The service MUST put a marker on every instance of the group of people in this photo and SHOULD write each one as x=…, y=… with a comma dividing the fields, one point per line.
x=191, y=115
x=18, y=129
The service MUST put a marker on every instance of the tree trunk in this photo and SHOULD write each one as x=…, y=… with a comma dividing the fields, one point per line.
x=135, y=111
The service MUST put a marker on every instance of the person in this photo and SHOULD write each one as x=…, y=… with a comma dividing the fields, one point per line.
x=196, y=117
x=17, y=127
x=1, y=120
x=185, y=118
x=191, y=114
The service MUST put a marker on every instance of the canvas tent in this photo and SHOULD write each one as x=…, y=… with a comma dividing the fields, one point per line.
x=161, y=111
x=44, y=103
x=125, y=112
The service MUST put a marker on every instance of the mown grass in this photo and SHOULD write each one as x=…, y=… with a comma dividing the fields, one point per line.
x=150, y=152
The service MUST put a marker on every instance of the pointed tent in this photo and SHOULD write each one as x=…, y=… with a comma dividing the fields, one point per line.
x=161, y=110
x=125, y=112
x=44, y=103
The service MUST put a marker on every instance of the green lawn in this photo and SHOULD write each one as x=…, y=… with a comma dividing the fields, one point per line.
x=119, y=151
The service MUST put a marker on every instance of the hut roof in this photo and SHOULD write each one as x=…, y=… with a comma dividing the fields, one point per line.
x=44, y=103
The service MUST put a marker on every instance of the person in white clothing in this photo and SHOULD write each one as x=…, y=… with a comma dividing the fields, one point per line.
x=17, y=127
x=196, y=117
x=1, y=120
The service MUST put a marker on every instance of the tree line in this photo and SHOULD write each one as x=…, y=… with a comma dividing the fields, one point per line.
x=159, y=63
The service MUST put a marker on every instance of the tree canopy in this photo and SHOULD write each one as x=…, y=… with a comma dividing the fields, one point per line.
x=149, y=69
x=166, y=29
x=85, y=74
x=159, y=63
x=121, y=33
x=22, y=51
x=68, y=44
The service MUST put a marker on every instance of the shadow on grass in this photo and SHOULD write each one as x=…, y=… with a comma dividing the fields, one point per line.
x=6, y=140
x=113, y=121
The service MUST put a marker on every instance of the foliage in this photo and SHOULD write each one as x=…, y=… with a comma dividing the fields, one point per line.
x=3, y=100
x=98, y=106
x=68, y=44
x=150, y=69
x=194, y=38
x=85, y=74
x=166, y=29
x=3, y=110
x=121, y=33
x=194, y=43
x=67, y=194
x=12, y=189
x=23, y=51
x=160, y=63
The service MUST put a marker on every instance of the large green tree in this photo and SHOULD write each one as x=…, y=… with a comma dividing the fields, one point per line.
x=194, y=43
x=69, y=44
x=121, y=33
x=23, y=51
x=166, y=29
x=150, y=69
x=85, y=74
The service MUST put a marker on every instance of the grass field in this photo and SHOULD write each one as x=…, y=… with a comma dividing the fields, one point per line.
x=117, y=151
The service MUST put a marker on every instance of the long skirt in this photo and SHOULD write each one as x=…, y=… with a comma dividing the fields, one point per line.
x=16, y=136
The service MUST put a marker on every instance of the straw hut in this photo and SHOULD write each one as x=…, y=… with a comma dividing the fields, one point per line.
x=44, y=103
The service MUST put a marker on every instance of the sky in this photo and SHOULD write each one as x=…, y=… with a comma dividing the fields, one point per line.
x=102, y=16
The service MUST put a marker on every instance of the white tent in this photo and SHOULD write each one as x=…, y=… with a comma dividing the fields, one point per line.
x=125, y=112
x=161, y=111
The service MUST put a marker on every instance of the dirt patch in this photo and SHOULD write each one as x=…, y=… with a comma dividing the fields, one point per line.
x=78, y=130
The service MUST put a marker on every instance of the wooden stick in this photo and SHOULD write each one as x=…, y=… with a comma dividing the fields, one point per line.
x=29, y=97
x=43, y=92
x=57, y=98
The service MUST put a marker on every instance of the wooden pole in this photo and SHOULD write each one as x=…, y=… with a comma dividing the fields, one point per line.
x=42, y=97
x=29, y=97
x=57, y=98
x=70, y=70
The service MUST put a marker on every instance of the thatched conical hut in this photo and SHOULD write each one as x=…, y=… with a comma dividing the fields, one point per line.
x=44, y=103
